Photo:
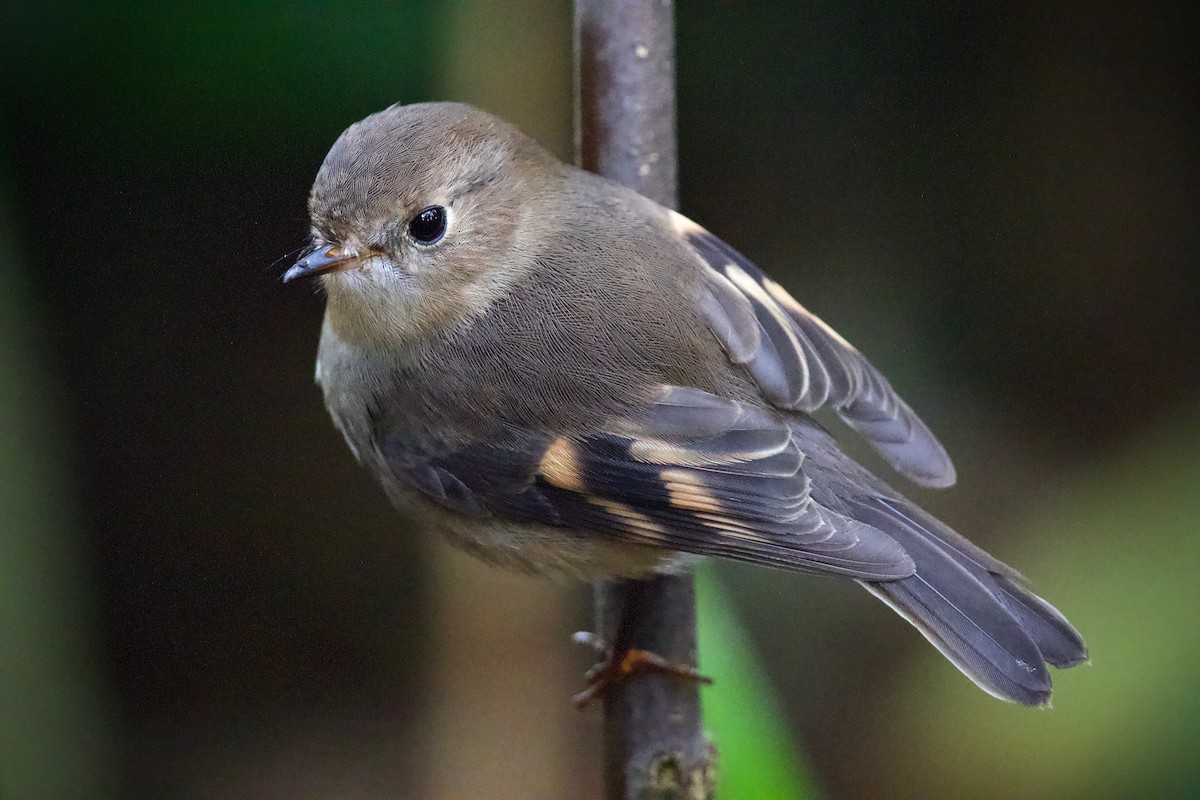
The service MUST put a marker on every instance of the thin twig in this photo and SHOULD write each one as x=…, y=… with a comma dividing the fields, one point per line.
x=625, y=125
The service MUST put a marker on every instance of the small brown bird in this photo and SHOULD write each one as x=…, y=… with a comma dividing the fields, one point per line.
x=563, y=376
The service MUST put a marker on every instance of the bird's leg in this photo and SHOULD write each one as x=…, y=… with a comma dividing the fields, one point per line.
x=622, y=661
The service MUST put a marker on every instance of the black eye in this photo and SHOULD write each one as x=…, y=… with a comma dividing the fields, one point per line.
x=429, y=225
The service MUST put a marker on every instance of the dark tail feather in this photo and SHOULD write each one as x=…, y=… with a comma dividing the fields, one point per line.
x=1061, y=645
x=969, y=606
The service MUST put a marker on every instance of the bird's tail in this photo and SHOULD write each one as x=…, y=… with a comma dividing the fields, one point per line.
x=971, y=606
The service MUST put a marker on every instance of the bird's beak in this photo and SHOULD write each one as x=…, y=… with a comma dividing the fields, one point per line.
x=320, y=262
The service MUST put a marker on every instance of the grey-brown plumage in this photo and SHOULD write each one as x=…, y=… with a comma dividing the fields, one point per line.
x=563, y=376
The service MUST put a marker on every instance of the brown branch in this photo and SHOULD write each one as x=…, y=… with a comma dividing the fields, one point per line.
x=625, y=117
x=625, y=126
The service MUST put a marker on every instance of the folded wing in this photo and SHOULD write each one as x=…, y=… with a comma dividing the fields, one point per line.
x=688, y=471
x=801, y=364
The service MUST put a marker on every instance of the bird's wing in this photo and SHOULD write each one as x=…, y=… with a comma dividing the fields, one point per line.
x=801, y=364
x=689, y=472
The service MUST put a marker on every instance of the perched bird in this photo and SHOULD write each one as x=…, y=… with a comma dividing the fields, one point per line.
x=564, y=376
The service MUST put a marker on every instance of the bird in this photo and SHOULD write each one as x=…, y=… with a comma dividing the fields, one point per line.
x=564, y=377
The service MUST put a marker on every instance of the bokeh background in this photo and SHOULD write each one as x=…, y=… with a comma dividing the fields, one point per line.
x=201, y=596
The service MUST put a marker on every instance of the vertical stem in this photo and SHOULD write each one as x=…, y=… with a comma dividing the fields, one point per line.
x=625, y=69
x=625, y=126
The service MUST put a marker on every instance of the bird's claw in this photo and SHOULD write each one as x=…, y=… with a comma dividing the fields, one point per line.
x=617, y=668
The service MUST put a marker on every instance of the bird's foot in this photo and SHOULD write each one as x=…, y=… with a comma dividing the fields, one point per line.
x=618, y=667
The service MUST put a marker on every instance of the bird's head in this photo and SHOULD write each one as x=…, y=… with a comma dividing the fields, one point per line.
x=420, y=216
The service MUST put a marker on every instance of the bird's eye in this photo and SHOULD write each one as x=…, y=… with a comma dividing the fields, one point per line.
x=428, y=226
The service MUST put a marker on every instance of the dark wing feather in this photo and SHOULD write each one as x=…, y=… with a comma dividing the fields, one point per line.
x=801, y=364
x=689, y=472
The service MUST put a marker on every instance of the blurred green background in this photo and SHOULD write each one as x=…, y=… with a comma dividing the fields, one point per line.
x=202, y=596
